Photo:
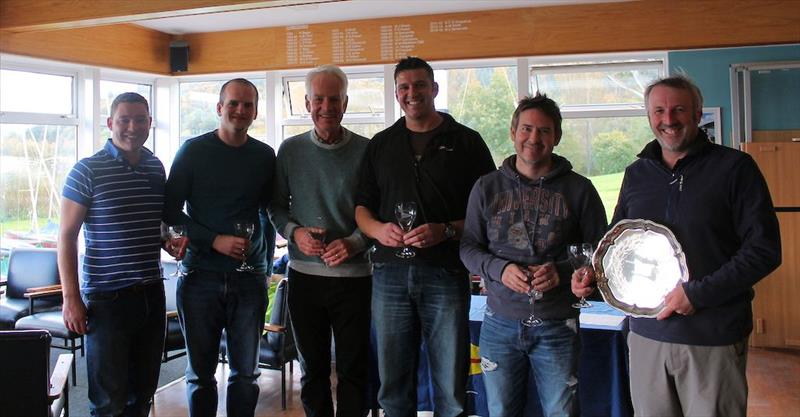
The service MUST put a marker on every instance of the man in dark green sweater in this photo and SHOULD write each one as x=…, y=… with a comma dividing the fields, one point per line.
x=224, y=177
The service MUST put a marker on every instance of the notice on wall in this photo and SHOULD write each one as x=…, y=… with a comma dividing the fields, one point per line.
x=355, y=43
x=300, y=46
x=450, y=25
x=397, y=41
x=347, y=46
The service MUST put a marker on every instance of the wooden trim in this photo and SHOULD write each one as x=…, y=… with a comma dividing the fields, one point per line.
x=37, y=292
x=60, y=375
x=776, y=135
x=26, y=15
x=593, y=28
x=274, y=328
x=127, y=47
x=571, y=29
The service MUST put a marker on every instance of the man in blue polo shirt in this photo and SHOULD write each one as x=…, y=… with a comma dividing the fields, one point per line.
x=117, y=195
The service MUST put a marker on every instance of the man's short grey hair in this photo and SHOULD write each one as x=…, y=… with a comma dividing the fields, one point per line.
x=326, y=69
x=679, y=82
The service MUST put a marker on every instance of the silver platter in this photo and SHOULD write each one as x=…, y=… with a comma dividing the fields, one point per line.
x=637, y=264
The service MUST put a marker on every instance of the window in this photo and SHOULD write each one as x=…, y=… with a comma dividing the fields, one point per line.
x=109, y=90
x=38, y=147
x=483, y=99
x=25, y=92
x=365, y=105
x=605, y=124
x=198, y=108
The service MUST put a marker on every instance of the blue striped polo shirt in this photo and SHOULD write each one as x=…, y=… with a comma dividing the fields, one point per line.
x=122, y=227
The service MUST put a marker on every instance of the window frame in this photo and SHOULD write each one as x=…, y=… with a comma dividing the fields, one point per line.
x=600, y=62
x=14, y=117
x=584, y=63
x=121, y=77
x=267, y=98
x=73, y=120
x=348, y=119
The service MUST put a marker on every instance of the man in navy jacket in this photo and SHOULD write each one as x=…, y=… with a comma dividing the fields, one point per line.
x=690, y=359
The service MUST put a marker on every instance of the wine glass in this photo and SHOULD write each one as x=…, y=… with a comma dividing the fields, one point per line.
x=406, y=213
x=533, y=295
x=580, y=256
x=320, y=233
x=177, y=234
x=244, y=229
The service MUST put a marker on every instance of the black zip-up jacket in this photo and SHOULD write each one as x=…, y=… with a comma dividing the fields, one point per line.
x=511, y=218
x=439, y=182
x=717, y=204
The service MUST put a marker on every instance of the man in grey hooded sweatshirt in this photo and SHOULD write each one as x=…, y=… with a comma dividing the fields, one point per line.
x=520, y=220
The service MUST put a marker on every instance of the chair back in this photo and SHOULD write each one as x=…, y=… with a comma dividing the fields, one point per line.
x=25, y=383
x=280, y=317
x=31, y=267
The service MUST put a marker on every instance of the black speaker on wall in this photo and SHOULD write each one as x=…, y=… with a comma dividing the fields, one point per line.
x=178, y=56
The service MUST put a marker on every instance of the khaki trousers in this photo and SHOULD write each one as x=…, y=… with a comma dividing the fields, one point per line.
x=670, y=379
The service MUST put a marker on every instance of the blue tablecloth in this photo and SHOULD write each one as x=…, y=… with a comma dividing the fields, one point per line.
x=602, y=374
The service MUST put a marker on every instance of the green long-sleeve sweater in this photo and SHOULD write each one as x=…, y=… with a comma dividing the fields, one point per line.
x=315, y=186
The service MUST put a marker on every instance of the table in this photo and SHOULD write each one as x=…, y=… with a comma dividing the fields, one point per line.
x=602, y=373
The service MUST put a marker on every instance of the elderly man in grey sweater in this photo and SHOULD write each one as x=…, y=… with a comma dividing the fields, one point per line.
x=329, y=278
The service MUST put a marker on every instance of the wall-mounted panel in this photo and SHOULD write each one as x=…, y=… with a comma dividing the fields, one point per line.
x=611, y=27
x=128, y=47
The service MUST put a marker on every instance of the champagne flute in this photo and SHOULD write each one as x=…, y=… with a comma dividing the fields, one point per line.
x=177, y=234
x=406, y=213
x=244, y=229
x=533, y=295
x=580, y=256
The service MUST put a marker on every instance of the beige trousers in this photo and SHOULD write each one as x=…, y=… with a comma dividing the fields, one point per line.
x=669, y=379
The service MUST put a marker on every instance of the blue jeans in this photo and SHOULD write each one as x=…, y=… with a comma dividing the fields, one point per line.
x=413, y=301
x=209, y=302
x=124, y=342
x=510, y=349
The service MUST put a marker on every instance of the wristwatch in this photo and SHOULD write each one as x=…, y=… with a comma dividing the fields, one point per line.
x=449, y=231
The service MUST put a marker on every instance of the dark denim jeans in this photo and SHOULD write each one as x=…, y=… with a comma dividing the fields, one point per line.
x=413, y=301
x=509, y=349
x=318, y=305
x=209, y=302
x=124, y=342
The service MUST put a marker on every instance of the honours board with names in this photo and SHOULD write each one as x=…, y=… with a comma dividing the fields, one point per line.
x=369, y=42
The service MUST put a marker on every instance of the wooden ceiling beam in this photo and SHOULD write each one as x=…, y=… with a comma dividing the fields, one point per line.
x=28, y=16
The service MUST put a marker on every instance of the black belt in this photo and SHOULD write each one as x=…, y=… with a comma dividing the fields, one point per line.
x=140, y=287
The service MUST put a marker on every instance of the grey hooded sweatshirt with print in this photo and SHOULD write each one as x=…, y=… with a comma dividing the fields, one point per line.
x=513, y=219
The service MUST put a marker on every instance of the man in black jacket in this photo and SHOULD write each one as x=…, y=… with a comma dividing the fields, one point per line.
x=429, y=159
x=690, y=360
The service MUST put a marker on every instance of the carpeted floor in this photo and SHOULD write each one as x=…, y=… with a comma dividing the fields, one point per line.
x=78, y=395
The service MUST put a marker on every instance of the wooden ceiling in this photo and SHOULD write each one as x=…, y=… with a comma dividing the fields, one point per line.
x=98, y=32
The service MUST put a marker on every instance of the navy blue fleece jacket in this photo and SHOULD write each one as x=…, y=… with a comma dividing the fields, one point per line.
x=717, y=204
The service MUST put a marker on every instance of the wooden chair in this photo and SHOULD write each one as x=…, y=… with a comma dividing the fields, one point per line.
x=277, y=344
x=27, y=388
